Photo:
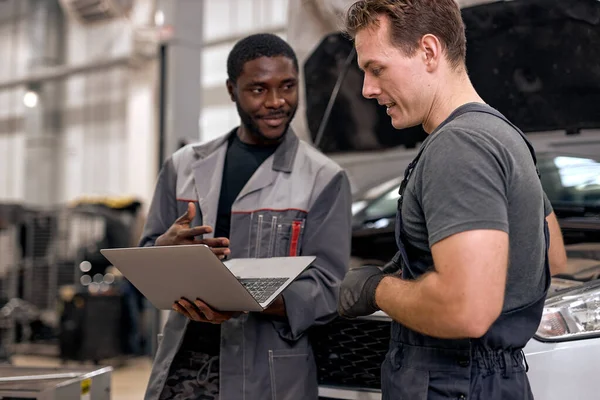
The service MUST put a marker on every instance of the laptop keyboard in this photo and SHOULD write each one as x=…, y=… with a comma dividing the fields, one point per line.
x=262, y=288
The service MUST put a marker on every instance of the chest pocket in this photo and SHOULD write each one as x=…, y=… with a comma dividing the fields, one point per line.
x=276, y=233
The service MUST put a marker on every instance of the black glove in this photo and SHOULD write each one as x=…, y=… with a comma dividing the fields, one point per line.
x=392, y=268
x=357, y=292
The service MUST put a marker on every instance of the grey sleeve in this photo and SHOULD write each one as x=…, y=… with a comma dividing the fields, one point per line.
x=163, y=208
x=312, y=298
x=547, y=206
x=462, y=186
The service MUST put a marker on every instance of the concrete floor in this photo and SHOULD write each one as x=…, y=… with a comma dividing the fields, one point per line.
x=128, y=381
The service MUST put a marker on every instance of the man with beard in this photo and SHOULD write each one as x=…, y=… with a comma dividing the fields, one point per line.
x=267, y=194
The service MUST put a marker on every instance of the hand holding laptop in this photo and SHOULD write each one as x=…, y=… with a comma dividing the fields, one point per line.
x=181, y=233
x=201, y=312
x=170, y=274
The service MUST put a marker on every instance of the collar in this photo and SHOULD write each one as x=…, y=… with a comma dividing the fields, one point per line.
x=283, y=158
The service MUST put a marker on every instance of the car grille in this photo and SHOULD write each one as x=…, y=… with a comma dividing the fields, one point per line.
x=350, y=353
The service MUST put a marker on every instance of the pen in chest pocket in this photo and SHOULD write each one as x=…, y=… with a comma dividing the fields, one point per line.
x=198, y=219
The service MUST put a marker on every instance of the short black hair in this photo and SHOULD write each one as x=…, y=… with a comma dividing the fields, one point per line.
x=256, y=46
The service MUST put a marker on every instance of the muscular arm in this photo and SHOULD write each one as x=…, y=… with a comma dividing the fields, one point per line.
x=462, y=297
x=450, y=302
x=557, y=254
x=466, y=214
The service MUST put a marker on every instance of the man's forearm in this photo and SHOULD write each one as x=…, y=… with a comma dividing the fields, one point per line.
x=424, y=305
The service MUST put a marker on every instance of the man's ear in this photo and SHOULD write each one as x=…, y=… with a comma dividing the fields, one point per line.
x=231, y=90
x=431, y=48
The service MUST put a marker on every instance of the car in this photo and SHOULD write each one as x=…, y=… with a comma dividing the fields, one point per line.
x=547, y=85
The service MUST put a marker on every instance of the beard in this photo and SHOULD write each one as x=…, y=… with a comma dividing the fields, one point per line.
x=253, y=128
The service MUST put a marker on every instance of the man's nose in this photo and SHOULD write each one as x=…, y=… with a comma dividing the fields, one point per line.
x=370, y=89
x=274, y=99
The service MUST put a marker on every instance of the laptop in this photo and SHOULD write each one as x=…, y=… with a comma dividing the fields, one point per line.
x=164, y=274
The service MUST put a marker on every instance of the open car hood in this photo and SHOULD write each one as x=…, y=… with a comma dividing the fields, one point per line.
x=536, y=61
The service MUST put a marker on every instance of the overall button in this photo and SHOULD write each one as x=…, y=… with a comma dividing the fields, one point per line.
x=462, y=397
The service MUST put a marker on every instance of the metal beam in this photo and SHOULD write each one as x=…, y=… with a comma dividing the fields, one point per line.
x=179, y=92
x=61, y=72
x=56, y=73
x=42, y=140
x=180, y=75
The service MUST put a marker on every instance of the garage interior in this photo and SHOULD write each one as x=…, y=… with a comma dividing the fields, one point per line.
x=96, y=94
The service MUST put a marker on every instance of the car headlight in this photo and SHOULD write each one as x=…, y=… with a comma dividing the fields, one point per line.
x=574, y=314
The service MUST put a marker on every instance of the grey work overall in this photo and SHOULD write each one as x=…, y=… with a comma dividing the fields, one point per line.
x=419, y=367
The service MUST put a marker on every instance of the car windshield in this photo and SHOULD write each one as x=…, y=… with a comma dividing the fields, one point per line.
x=571, y=180
x=568, y=180
x=385, y=206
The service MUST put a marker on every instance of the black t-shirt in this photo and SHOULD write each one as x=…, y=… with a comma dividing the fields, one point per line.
x=241, y=161
x=240, y=164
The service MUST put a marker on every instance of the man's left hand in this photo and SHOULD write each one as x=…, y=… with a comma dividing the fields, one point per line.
x=357, y=292
x=200, y=312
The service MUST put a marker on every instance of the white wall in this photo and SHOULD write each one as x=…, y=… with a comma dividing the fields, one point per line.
x=108, y=140
x=108, y=133
x=12, y=147
x=226, y=18
x=13, y=60
x=107, y=147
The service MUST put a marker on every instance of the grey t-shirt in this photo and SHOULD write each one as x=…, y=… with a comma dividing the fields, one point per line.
x=476, y=172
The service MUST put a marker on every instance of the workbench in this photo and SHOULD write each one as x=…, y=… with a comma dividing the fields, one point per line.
x=60, y=383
